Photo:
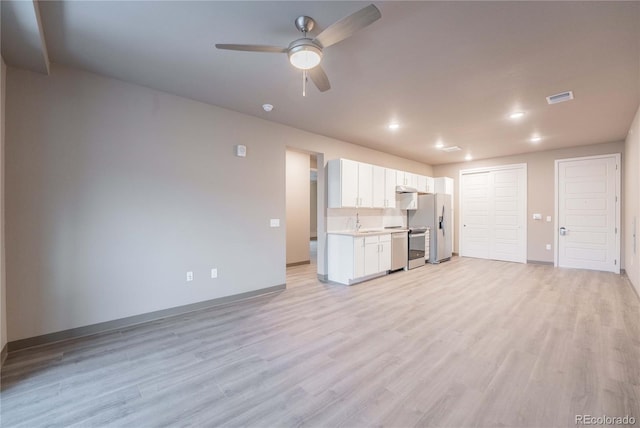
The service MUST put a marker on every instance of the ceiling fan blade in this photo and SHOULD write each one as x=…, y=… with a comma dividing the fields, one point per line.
x=319, y=78
x=252, y=48
x=348, y=25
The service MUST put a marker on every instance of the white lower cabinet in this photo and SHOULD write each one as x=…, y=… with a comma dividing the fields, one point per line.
x=355, y=258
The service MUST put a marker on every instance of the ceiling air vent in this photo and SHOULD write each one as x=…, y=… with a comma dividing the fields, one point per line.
x=559, y=98
x=451, y=149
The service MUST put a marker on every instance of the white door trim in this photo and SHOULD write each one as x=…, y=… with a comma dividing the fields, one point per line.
x=489, y=169
x=556, y=237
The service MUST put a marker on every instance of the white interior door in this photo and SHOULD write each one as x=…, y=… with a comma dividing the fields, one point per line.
x=588, y=213
x=493, y=213
x=509, y=216
x=474, y=237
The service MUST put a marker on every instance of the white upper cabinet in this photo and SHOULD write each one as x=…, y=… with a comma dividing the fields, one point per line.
x=430, y=185
x=404, y=178
x=443, y=185
x=425, y=184
x=422, y=184
x=350, y=184
x=365, y=185
x=379, y=187
x=361, y=185
x=384, y=187
x=389, y=188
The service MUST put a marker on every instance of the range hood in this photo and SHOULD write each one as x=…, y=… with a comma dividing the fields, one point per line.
x=406, y=189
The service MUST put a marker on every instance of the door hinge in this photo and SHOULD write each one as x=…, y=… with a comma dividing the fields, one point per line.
x=616, y=199
x=616, y=167
x=615, y=262
x=616, y=230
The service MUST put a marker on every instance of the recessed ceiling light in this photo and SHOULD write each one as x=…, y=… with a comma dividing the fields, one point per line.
x=439, y=145
x=394, y=126
x=516, y=115
x=468, y=158
x=535, y=139
x=267, y=107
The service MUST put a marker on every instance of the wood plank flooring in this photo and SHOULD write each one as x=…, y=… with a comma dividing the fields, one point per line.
x=464, y=343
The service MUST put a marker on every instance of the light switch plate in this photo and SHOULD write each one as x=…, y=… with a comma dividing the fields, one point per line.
x=548, y=246
x=537, y=216
x=274, y=222
x=548, y=219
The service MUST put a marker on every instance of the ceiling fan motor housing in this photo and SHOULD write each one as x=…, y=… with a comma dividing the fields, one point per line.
x=305, y=24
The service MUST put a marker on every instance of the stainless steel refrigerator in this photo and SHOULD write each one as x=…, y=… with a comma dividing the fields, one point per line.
x=434, y=211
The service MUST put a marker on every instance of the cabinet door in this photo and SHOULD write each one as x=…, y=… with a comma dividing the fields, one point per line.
x=411, y=179
x=371, y=255
x=400, y=178
x=358, y=257
x=384, y=262
x=422, y=183
x=389, y=188
x=349, y=183
x=365, y=185
x=443, y=185
x=430, y=185
x=379, y=194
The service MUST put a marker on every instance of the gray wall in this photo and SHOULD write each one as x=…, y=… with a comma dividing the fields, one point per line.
x=632, y=202
x=540, y=190
x=114, y=191
x=3, y=298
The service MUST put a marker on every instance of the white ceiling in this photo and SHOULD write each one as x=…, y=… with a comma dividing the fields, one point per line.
x=443, y=70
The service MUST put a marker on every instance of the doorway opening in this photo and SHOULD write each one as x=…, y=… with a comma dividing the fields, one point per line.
x=313, y=209
x=303, y=220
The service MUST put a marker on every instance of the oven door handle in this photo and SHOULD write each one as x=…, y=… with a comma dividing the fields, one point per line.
x=417, y=235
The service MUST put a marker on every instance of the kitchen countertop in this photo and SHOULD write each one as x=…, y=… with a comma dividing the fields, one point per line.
x=367, y=232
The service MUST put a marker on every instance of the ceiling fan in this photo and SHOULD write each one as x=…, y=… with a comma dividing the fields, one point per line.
x=306, y=53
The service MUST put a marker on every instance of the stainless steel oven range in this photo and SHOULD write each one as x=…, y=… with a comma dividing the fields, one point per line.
x=417, y=246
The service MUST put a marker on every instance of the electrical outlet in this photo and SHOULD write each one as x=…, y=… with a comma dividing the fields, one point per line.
x=548, y=246
x=189, y=276
x=274, y=222
x=214, y=273
x=548, y=219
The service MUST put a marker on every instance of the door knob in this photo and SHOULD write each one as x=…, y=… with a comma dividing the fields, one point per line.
x=563, y=231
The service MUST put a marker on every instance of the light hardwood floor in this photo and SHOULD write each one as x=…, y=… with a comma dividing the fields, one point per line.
x=465, y=343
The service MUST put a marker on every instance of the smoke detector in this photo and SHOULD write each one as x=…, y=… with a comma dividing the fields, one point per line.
x=560, y=98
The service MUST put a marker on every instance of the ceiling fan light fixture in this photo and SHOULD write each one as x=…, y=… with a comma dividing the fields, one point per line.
x=305, y=57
